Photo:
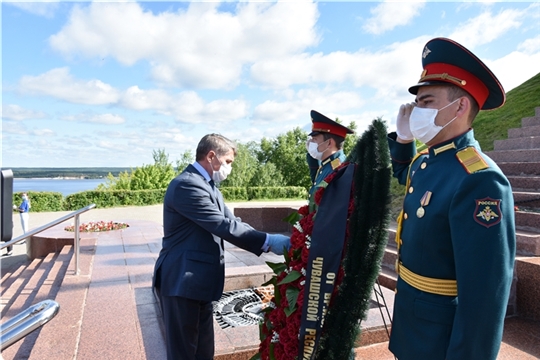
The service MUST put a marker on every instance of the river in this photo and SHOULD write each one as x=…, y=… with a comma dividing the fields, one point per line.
x=63, y=186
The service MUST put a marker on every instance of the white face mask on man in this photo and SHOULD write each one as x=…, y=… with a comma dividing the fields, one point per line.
x=422, y=123
x=313, y=149
x=224, y=171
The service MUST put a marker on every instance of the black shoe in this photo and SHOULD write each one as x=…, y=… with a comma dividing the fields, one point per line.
x=9, y=253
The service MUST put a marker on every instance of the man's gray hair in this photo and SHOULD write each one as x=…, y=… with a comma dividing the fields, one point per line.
x=216, y=142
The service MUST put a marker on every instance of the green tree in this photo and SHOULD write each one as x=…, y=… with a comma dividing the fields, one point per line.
x=350, y=139
x=267, y=175
x=146, y=177
x=122, y=182
x=288, y=153
x=185, y=159
x=245, y=165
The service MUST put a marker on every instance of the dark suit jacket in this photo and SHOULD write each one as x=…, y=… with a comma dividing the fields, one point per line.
x=191, y=263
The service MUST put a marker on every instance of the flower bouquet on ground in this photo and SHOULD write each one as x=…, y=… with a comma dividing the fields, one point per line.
x=323, y=289
x=98, y=226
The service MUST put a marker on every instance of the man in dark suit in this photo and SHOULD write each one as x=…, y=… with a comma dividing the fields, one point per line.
x=190, y=270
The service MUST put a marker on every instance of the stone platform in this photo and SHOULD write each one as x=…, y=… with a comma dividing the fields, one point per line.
x=110, y=312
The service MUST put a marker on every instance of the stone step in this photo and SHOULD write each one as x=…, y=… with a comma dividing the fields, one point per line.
x=529, y=221
x=527, y=242
x=11, y=292
x=389, y=258
x=11, y=275
x=527, y=156
x=528, y=287
x=526, y=330
x=523, y=132
x=26, y=298
x=530, y=121
x=526, y=142
x=519, y=168
x=47, y=290
x=388, y=277
x=392, y=235
x=526, y=199
x=60, y=338
x=525, y=183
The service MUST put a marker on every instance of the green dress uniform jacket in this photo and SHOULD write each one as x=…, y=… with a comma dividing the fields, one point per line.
x=325, y=168
x=458, y=224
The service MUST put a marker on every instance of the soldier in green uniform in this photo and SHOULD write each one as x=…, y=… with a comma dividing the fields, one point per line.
x=325, y=148
x=456, y=232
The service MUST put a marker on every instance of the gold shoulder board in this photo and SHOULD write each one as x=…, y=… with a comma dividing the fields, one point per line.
x=335, y=163
x=471, y=160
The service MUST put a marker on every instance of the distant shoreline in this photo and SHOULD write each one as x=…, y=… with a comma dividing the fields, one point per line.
x=60, y=178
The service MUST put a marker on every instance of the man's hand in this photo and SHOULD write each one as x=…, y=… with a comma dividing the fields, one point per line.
x=276, y=243
x=402, y=123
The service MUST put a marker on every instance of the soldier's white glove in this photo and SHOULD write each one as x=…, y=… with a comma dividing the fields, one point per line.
x=402, y=122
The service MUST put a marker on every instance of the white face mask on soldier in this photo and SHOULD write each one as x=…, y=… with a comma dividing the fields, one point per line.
x=422, y=123
x=312, y=149
x=224, y=171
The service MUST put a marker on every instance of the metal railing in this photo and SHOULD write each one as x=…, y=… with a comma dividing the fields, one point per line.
x=76, y=239
x=27, y=321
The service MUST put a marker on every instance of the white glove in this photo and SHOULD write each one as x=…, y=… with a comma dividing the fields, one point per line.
x=402, y=122
x=278, y=242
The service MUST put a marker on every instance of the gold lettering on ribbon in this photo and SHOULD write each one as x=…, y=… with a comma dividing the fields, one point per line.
x=309, y=343
x=314, y=289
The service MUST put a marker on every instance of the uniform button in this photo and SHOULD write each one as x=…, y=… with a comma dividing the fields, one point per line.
x=221, y=257
x=423, y=166
x=411, y=190
x=405, y=216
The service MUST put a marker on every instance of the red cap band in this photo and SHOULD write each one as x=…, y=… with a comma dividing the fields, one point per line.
x=329, y=128
x=459, y=77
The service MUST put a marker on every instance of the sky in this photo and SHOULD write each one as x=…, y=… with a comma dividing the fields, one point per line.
x=104, y=84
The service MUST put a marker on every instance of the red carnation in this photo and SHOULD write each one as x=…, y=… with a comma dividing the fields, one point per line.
x=318, y=195
x=304, y=210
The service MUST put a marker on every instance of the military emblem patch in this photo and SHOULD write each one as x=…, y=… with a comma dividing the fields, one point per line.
x=488, y=212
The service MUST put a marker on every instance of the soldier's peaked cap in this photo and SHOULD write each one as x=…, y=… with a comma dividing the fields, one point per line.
x=323, y=125
x=447, y=62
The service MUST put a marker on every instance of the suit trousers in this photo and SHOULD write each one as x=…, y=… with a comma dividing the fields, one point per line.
x=189, y=328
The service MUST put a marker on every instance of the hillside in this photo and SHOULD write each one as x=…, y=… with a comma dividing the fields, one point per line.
x=520, y=102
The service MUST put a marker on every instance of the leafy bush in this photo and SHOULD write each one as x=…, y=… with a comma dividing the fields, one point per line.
x=233, y=193
x=41, y=201
x=114, y=198
x=276, y=192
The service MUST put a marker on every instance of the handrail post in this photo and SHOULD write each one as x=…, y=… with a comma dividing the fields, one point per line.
x=77, y=244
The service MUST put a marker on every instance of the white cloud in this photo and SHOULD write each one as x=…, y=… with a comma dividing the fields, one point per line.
x=511, y=75
x=388, y=15
x=486, y=27
x=93, y=117
x=108, y=119
x=59, y=83
x=138, y=99
x=12, y=127
x=16, y=112
x=186, y=107
x=198, y=47
x=41, y=8
x=530, y=46
x=387, y=70
x=43, y=132
x=297, y=109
